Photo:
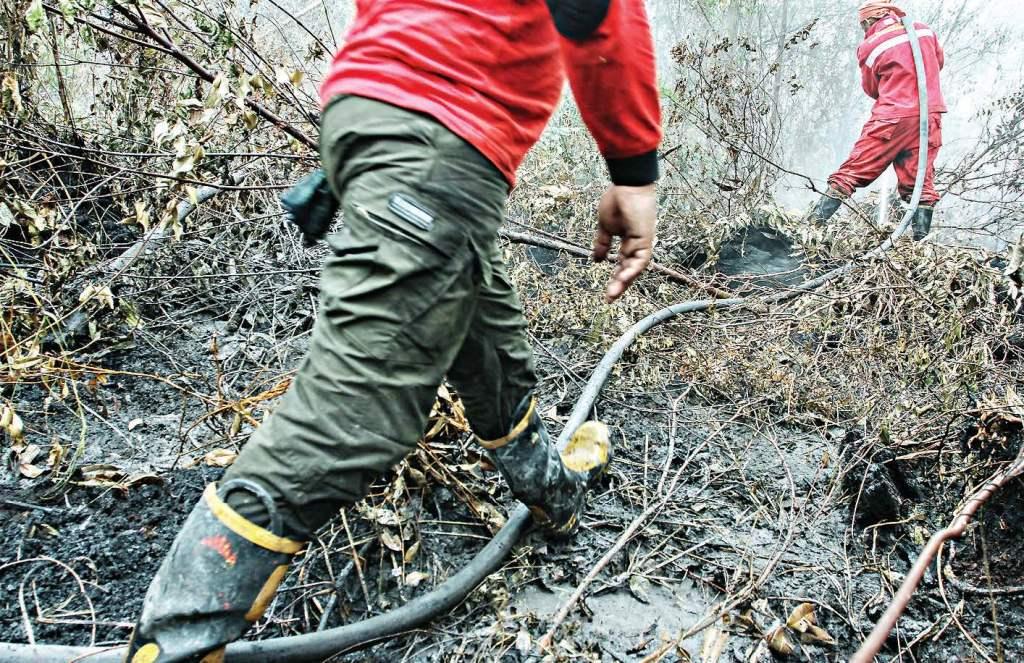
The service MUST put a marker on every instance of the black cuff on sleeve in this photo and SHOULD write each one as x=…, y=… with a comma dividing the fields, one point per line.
x=634, y=171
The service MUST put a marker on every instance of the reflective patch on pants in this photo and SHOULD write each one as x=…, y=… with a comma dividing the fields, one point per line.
x=410, y=210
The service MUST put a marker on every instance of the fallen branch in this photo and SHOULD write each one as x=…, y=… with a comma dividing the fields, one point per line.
x=576, y=250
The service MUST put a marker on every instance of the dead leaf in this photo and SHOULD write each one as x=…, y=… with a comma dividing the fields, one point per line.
x=638, y=586
x=102, y=294
x=418, y=477
x=30, y=471
x=385, y=517
x=817, y=636
x=152, y=13
x=6, y=216
x=111, y=476
x=48, y=530
x=713, y=645
x=220, y=457
x=29, y=453
x=490, y=515
x=183, y=164
x=391, y=540
x=56, y=454
x=10, y=90
x=219, y=90
x=142, y=215
x=779, y=642
x=134, y=423
x=802, y=621
x=161, y=130
x=744, y=620
x=802, y=618
x=410, y=553
x=415, y=578
x=11, y=423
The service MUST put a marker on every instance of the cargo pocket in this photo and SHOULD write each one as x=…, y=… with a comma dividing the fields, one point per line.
x=396, y=307
x=935, y=132
x=438, y=330
x=883, y=129
x=427, y=302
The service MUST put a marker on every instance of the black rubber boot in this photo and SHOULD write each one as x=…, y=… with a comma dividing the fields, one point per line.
x=216, y=581
x=553, y=485
x=921, y=224
x=826, y=206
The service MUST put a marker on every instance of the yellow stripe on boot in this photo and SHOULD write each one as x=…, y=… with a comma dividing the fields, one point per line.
x=491, y=445
x=245, y=529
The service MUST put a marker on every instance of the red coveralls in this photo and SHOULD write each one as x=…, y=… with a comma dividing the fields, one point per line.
x=891, y=136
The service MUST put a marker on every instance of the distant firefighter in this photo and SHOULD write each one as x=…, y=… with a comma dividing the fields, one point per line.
x=891, y=136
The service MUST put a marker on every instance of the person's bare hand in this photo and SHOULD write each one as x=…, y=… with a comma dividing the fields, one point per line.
x=629, y=213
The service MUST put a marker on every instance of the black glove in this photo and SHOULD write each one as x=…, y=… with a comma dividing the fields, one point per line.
x=311, y=206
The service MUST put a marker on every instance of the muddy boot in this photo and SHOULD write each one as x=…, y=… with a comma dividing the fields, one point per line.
x=921, y=224
x=826, y=207
x=218, y=578
x=553, y=485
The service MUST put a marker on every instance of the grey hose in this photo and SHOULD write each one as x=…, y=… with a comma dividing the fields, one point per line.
x=325, y=644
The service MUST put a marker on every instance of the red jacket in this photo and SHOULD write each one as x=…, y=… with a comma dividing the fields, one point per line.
x=888, y=72
x=493, y=71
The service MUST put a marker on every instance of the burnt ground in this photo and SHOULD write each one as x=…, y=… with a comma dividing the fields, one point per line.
x=755, y=516
x=109, y=540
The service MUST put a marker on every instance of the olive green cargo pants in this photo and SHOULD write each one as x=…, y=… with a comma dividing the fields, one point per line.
x=414, y=289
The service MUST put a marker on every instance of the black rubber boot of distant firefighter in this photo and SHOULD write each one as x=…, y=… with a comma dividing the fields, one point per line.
x=826, y=207
x=553, y=485
x=921, y=224
x=217, y=580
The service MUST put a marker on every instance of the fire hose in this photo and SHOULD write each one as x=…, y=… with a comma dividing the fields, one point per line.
x=331, y=642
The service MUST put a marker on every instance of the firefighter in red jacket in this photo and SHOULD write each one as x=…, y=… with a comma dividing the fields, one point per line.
x=429, y=108
x=892, y=135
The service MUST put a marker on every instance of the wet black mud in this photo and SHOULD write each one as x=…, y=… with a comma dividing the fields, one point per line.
x=759, y=256
x=108, y=540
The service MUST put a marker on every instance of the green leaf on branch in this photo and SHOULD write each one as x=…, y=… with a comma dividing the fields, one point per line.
x=69, y=9
x=35, y=15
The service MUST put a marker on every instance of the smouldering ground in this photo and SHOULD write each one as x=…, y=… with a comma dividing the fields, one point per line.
x=742, y=439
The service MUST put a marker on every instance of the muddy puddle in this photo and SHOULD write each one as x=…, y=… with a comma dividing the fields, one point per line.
x=625, y=623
